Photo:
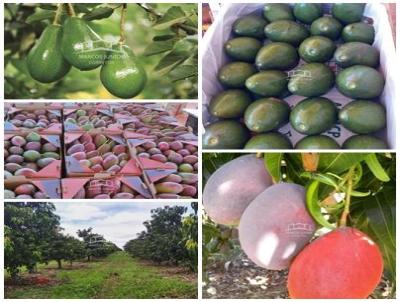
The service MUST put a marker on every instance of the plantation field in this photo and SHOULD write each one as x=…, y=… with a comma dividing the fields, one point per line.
x=117, y=276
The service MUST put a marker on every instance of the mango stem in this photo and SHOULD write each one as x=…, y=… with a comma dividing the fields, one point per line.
x=71, y=10
x=58, y=13
x=346, y=211
x=122, y=24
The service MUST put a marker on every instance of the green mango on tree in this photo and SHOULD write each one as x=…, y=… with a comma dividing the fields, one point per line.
x=122, y=74
x=81, y=46
x=45, y=61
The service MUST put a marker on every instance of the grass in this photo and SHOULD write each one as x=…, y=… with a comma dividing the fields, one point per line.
x=118, y=276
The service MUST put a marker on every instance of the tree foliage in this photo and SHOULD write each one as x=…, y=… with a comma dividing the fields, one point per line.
x=169, y=238
x=163, y=36
x=96, y=245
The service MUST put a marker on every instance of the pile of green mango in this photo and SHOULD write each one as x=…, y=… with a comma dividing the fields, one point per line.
x=75, y=44
x=265, y=53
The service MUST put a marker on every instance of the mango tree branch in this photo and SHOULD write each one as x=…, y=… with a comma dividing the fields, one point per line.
x=346, y=211
x=71, y=9
x=122, y=24
x=58, y=13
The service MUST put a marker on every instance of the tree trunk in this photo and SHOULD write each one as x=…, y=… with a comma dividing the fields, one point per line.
x=59, y=263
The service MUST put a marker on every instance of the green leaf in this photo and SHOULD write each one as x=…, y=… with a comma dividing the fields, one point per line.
x=181, y=52
x=98, y=13
x=323, y=178
x=158, y=47
x=174, y=15
x=339, y=162
x=183, y=72
x=313, y=205
x=40, y=15
x=360, y=194
x=163, y=37
x=376, y=168
x=273, y=163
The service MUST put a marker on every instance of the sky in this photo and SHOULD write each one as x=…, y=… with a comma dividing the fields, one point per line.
x=118, y=222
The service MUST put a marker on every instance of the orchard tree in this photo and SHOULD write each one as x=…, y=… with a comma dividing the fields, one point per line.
x=96, y=245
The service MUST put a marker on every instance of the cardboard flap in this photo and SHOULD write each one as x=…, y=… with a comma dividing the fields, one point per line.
x=51, y=187
x=71, y=186
x=155, y=175
x=72, y=165
x=131, y=168
x=52, y=170
x=137, y=184
x=150, y=164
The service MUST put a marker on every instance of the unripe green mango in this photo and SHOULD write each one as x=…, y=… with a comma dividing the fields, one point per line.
x=235, y=74
x=271, y=140
x=242, y=48
x=359, y=32
x=286, y=31
x=230, y=103
x=362, y=142
x=326, y=26
x=45, y=61
x=356, y=53
x=249, y=26
x=317, y=49
x=360, y=82
x=277, y=55
x=226, y=134
x=81, y=46
x=307, y=12
x=311, y=79
x=268, y=83
x=348, y=12
x=317, y=142
x=278, y=11
x=122, y=74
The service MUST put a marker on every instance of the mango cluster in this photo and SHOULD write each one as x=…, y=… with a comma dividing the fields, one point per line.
x=35, y=120
x=298, y=51
x=276, y=231
x=106, y=189
x=76, y=44
x=88, y=119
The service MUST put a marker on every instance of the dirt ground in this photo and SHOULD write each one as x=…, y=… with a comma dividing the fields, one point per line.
x=244, y=280
x=177, y=271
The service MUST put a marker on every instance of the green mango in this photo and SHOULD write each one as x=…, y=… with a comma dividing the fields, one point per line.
x=363, y=142
x=348, y=12
x=356, y=53
x=45, y=61
x=242, y=48
x=313, y=116
x=317, y=49
x=363, y=117
x=277, y=11
x=81, y=46
x=268, y=83
x=234, y=75
x=122, y=74
x=311, y=79
x=249, y=26
x=307, y=12
x=359, y=32
x=226, y=134
x=317, y=142
x=266, y=115
x=229, y=103
x=286, y=31
x=360, y=82
x=277, y=55
x=326, y=26
x=271, y=140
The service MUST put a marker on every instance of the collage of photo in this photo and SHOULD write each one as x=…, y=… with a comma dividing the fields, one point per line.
x=246, y=150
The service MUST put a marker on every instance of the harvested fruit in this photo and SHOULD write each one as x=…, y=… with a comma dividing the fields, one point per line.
x=249, y=26
x=362, y=142
x=234, y=75
x=356, y=53
x=317, y=49
x=227, y=192
x=35, y=120
x=230, y=103
x=326, y=26
x=348, y=12
x=277, y=11
x=104, y=189
x=353, y=271
x=359, y=32
x=265, y=141
x=243, y=48
x=317, y=142
x=307, y=12
x=226, y=134
x=277, y=55
x=267, y=83
x=269, y=233
x=286, y=31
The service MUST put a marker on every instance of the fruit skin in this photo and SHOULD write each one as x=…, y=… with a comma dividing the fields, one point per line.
x=227, y=134
x=348, y=12
x=267, y=114
x=271, y=140
x=311, y=79
x=313, y=115
x=286, y=31
x=353, y=267
x=268, y=83
x=249, y=26
x=362, y=142
x=277, y=11
x=45, y=61
x=317, y=142
x=229, y=103
x=307, y=12
x=356, y=53
x=360, y=82
x=363, y=117
x=276, y=226
x=359, y=32
x=228, y=191
x=81, y=46
x=234, y=75
x=122, y=74
x=242, y=48
x=277, y=55
x=326, y=26
x=317, y=49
